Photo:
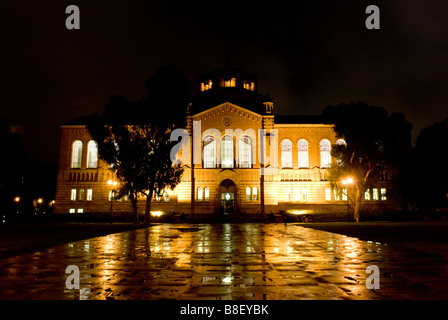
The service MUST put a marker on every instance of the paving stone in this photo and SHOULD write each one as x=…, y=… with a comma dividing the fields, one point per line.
x=224, y=261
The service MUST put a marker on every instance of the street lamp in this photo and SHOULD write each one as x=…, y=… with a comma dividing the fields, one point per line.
x=347, y=182
x=112, y=184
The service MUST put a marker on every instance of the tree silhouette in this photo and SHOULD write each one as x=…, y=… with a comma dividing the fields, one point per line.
x=430, y=173
x=133, y=137
x=375, y=142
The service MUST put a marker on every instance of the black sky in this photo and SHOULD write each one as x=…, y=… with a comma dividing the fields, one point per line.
x=308, y=54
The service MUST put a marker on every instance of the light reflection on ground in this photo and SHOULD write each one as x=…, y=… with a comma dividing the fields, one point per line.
x=224, y=261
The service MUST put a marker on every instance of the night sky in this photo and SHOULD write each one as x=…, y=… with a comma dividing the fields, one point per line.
x=308, y=54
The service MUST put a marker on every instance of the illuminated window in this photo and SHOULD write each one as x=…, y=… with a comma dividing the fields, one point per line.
x=245, y=152
x=227, y=152
x=72, y=210
x=209, y=153
x=325, y=156
x=304, y=194
x=255, y=193
x=289, y=194
x=344, y=194
x=248, y=193
x=166, y=196
x=246, y=85
x=81, y=194
x=328, y=194
x=73, y=195
x=336, y=194
x=230, y=82
x=89, y=194
x=92, y=155
x=367, y=195
x=383, y=194
x=111, y=195
x=252, y=86
x=286, y=156
x=206, y=194
x=76, y=154
x=302, y=145
x=80, y=210
x=374, y=194
x=199, y=194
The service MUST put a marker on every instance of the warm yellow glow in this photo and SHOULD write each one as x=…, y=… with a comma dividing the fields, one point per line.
x=348, y=180
x=156, y=213
x=17, y=199
x=112, y=182
x=40, y=200
x=298, y=212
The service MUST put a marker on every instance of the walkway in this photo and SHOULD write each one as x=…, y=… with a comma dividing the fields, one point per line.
x=224, y=261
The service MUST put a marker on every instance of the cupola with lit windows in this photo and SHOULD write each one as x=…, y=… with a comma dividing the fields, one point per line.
x=230, y=84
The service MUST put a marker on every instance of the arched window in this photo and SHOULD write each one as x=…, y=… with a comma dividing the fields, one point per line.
x=302, y=146
x=248, y=193
x=325, y=156
x=209, y=153
x=255, y=193
x=245, y=152
x=206, y=194
x=92, y=154
x=199, y=197
x=286, y=155
x=76, y=154
x=227, y=152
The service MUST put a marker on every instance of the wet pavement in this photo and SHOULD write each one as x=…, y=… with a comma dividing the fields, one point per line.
x=225, y=261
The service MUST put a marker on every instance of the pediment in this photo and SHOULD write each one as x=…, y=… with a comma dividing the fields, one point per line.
x=227, y=108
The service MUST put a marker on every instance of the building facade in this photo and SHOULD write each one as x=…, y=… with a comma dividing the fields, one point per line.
x=240, y=159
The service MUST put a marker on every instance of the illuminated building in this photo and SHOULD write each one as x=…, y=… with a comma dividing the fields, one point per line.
x=227, y=120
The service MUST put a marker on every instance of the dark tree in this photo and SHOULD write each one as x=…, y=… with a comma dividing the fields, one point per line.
x=133, y=137
x=12, y=165
x=375, y=143
x=430, y=174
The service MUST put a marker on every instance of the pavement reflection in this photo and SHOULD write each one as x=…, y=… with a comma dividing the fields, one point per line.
x=224, y=261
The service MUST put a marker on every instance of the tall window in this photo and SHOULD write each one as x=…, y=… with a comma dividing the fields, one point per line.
x=199, y=197
x=248, y=193
x=367, y=194
x=227, y=152
x=325, y=156
x=255, y=193
x=89, y=194
x=92, y=155
x=374, y=194
x=73, y=195
x=383, y=194
x=328, y=194
x=245, y=152
x=76, y=154
x=304, y=194
x=209, y=153
x=286, y=155
x=302, y=146
x=206, y=194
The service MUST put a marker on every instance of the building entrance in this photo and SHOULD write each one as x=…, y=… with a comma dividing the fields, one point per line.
x=227, y=197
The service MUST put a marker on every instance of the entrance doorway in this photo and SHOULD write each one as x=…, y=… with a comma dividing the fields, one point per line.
x=227, y=197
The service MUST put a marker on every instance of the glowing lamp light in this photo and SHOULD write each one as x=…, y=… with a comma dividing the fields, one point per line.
x=112, y=182
x=40, y=200
x=17, y=199
x=348, y=180
x=156, y=213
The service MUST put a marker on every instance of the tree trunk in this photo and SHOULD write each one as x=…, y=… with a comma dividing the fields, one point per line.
x=358, y=199
x=133, y=196
x=148, y=207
